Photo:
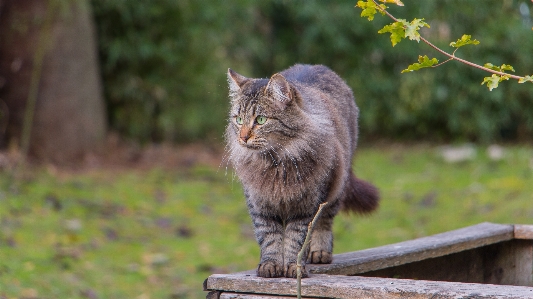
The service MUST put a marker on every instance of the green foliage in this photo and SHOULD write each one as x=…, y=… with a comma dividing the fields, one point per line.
x=370, y=9
x=164, y=64
x=463, y=41
x=526, y=79
x=163, y=67
x=411, y=29
x=502, y=68
x=463, y=113
x=403, y=29
x=159, y=234
x=493, y=81
x=423, y=61
x=396, y=30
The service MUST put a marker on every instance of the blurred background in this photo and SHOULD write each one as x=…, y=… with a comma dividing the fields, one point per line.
x=119, y=106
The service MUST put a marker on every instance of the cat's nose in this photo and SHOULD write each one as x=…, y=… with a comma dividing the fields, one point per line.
x=245, y=134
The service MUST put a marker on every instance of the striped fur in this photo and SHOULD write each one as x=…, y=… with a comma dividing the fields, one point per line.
x=298, y=158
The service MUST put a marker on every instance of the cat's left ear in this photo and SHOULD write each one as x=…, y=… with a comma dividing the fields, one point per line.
x=235, y=82
x=279, y=89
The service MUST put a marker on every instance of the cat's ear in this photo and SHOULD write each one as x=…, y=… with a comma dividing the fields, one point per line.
x=235, y=82
x=279, y=90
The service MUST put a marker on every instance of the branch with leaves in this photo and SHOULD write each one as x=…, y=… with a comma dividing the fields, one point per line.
x=401, y=29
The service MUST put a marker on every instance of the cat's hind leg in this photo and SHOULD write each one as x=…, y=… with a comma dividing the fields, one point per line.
x=321, y=246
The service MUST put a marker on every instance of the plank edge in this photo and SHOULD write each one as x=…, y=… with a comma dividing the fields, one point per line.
x=351, y=263
x=523, y=231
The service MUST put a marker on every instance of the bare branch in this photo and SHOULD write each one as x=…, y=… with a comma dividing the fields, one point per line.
x=304, y=247
x=447, y=60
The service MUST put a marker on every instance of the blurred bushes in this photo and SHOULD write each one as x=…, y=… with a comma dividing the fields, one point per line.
x=164, y=64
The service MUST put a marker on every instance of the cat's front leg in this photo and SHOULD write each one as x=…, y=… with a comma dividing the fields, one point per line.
x=269, y=235
x=295, y=232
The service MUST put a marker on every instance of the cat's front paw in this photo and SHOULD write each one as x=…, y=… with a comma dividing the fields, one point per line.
x=269, y=269
x=291, y=271
x=319, y=257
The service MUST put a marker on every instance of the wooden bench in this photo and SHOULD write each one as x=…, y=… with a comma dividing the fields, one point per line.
x=482, y=261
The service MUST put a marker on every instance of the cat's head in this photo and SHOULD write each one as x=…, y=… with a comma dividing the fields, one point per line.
x=263, y=112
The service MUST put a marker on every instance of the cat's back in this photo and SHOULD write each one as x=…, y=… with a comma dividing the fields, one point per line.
x=318, y=76
x=308, y=74
x=319, y=86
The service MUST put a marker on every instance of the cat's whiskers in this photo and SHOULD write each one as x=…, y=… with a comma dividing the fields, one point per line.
x=284, y=175
x=294, y=162
x=225, y=159
x=272, y=157
x=230, y=157
x=264, y=160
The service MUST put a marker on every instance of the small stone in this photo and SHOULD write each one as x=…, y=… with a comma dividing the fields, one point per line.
x=73, y=225
x=457, y=154
x=495, y=152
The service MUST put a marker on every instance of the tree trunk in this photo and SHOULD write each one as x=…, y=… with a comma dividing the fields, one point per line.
x=57, y=38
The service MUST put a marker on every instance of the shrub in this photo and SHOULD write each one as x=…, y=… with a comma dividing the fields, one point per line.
x=164, y=64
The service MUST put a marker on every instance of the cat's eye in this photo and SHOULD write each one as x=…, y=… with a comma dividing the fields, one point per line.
x=238, y=119
x=261, y=119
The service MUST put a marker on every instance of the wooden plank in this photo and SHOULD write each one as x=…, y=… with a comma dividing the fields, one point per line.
x=522, y=231
x=226, y=295
x=337, y=286
x=416, y=250
x=504, y=263
x=464, y=266
x=213, y=294
x=514, y=264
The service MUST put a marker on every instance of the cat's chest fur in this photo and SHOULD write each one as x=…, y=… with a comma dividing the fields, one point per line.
x=280, y=175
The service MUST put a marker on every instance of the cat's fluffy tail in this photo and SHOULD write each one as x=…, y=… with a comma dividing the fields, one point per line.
x=360, y=196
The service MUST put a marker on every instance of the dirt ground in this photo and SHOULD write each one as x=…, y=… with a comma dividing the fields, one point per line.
x=121, y=155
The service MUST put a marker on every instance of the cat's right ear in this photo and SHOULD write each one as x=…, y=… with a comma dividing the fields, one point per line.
x=235, y=82
x=279, y=89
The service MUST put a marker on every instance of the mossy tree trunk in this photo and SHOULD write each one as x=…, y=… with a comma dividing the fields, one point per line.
x=56, y=40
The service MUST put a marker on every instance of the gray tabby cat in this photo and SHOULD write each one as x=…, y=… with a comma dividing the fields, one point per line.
x=291, y=140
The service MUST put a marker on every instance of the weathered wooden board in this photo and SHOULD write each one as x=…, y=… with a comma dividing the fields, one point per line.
x=338, y=286
x=416, y=250
x=505, y=263
x=510, y=263
x=437, y=266
x=229, y=295
x=252, y=296
x=524, y=232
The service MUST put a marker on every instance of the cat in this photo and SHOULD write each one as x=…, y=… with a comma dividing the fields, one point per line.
x=291, y=139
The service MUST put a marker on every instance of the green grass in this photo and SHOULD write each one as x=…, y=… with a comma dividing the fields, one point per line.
x=159, y=234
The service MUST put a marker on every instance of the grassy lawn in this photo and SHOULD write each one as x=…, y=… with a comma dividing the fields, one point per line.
x=158, y=233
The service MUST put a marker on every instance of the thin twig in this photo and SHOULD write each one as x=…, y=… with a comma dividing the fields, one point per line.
x=447, y=60
x=468, y=62
x=304, y=247
x=452, y=56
